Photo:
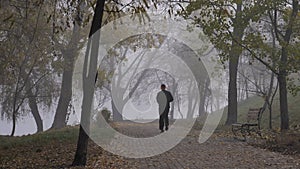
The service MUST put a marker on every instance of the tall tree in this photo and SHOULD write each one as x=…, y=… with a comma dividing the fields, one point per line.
x=69, y=54
x=285, y=42
x=282, y=59
x=225, y=23
x=26, y=60
x=89, y=76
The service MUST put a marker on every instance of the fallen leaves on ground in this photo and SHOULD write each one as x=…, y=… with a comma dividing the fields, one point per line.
x=56, y=154
x=287, y=143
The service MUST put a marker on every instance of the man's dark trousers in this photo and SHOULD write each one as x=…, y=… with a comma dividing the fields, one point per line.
x=164, y=120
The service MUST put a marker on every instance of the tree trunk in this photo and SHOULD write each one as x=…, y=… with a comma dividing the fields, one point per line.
x=15, y=109
x=203, y=96
x=33, y=106
x=117, y=116
x=283, y=102
x=89, y=74
x=284, y=125
x=36, y=115
x=65, y=95
x=234, y=55
x=246, y=89
x=174, y=88
x=32, y=100
x=14, y=124
x=81, y=151
x=190, y=102
x=232, y=90
x=69, y=55
x=268, y=99
x=136, y=85
x=14, y=117
x=178, y=104
x=283, y=67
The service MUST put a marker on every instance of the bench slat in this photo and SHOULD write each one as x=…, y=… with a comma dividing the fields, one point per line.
x=252, y=117
x=254, y=109
x=253, y=114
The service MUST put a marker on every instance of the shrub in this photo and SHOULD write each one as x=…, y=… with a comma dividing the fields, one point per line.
x=105, y=113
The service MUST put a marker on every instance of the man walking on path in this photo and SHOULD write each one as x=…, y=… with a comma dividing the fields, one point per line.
x=163, y=99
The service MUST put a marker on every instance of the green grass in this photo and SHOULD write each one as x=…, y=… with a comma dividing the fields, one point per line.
x=256, y=102
x=66, y=135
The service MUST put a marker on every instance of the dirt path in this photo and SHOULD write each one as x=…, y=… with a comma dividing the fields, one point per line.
x=217, y=152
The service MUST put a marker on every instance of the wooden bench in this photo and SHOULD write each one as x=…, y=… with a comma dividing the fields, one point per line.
x=252, y=124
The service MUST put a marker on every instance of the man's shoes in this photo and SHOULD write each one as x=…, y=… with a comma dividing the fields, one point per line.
x=161, y=131
x=167, y=128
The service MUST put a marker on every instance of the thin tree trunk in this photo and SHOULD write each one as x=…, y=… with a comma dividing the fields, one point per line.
x=246, y=89
x=14, y=124
x=178, y=104
x=203, y=96
x=270, y=106
x=15, y=110
x=174, y=87
x=136, y=85
x=190, y=102
x=117, y=116
x=268, y=100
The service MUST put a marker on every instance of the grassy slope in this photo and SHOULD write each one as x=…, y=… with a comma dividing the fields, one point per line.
x=255, y=102
x=67, y=135
x=52, y=149
x=43, y=150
